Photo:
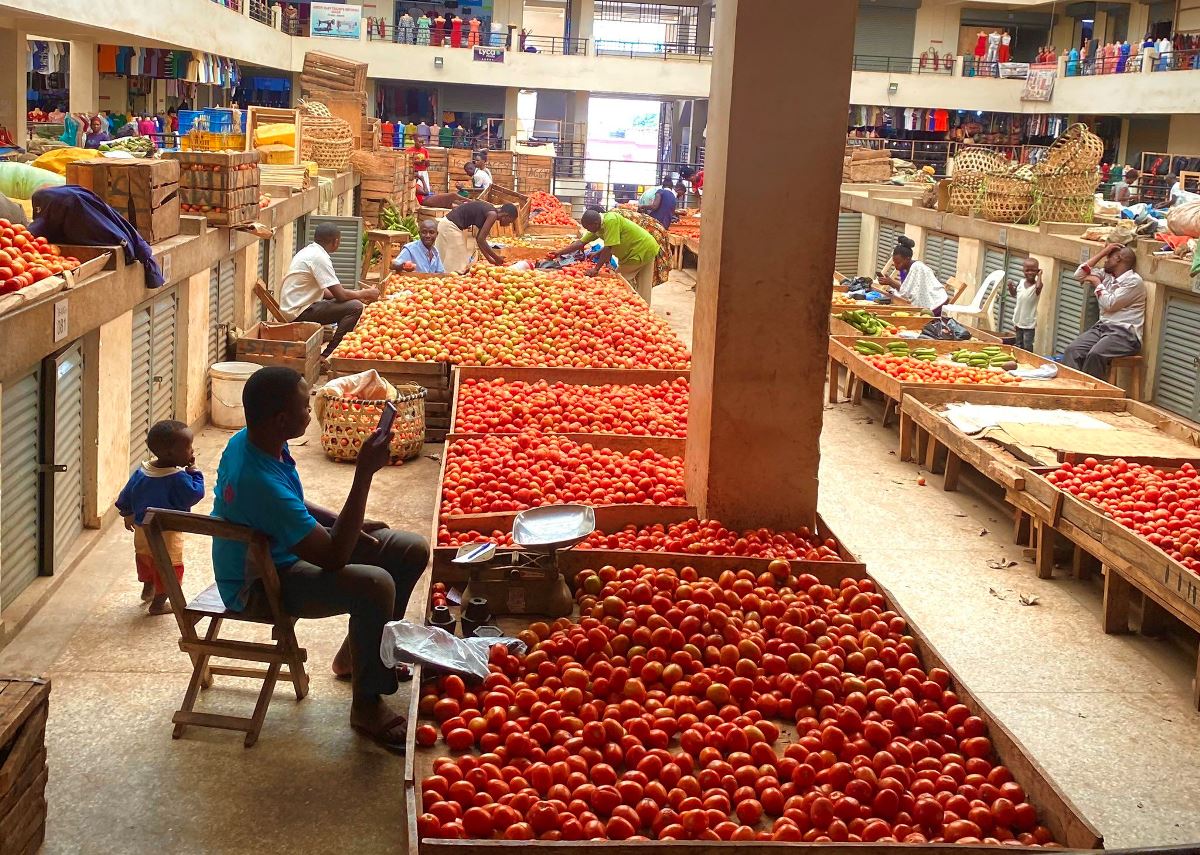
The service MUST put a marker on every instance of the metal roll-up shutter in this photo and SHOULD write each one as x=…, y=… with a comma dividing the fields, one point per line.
x=19, y=459
x=346, y=261
x=153, y=382
x=1068, y=311
x=941, y=254
x=885, y=243
x=140, y=383
x=64, y=481
x=1178, y=358
x=221, y=284
x=848, y=235
x=884, y=31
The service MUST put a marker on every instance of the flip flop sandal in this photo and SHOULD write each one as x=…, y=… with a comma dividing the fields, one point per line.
x=380, y=737
x=403, y=674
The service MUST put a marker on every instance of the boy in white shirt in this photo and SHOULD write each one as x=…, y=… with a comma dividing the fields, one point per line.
x=1026, y=293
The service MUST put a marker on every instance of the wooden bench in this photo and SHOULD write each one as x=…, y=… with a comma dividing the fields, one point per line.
x=1136, y=366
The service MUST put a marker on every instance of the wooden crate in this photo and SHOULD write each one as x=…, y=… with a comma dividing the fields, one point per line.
x=456, y=158
x=218, y=198
x=554, y=231
x=924, y=432
x=256, y=116
x=497, y=195
x=24, y=706
x=200, y=170
x=324, y=73
x=501, y=165
x=296, y=345
x=439, y=169
x=839, y=327
x=1055, y=809
x=860, y=373
x=534, y=172
x=144, y=192
x=236, y=216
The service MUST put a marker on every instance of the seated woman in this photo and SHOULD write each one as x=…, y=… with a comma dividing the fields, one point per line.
x=917, y=284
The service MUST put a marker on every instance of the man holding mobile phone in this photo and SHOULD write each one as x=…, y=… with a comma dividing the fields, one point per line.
x=328, y=563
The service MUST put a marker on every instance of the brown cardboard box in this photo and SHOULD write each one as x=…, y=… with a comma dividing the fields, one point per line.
x=144, y=192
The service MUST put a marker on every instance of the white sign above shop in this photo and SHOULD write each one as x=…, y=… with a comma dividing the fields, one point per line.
x=335, y=21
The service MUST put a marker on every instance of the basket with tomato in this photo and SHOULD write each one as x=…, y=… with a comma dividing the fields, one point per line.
x=26, y=259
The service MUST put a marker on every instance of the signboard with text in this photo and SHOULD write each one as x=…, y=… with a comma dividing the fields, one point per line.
x=335, y=21
x=1039, y=85
x=489, y=54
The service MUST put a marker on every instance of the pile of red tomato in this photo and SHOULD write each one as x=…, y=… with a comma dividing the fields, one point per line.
x=910, y=370
x=503, y=406
x=549, y=210
x=654, y=717
x=710, y=537
x=503, y=316
x=500, y=474
x=1162, y=506
x=25, y=259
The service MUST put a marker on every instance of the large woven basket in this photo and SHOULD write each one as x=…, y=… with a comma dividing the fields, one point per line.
x=349, y=421
x=1006, y=199
x=1078, y=150
x=1065, y=180
x=328, y=142
x=971, y=165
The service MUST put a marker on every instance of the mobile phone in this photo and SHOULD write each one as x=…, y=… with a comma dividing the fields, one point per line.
x=388, y=417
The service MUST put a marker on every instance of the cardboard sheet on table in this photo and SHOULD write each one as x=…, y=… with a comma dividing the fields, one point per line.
x=1108, y=442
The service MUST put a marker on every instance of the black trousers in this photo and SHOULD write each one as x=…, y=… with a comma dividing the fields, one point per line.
x=344, y=314
x=1093, y=350
x=373, y=589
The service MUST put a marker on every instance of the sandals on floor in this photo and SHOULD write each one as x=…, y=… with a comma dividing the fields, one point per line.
x=381, y=738
x=403, y=674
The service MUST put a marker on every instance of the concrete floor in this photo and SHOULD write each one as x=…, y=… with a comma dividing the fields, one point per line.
x=1108, y=717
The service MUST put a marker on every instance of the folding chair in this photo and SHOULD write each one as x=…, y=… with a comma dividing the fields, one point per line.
x=208, y=604
x=268, y=300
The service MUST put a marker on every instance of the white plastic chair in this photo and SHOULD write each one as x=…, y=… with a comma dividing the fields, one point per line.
x=981, y=304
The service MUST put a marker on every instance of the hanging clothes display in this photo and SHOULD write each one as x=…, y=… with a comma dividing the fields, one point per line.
x=405, y=30
x=993, y=47
x=1005, y=46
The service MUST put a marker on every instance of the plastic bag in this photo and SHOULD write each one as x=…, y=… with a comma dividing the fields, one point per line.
x=21, y=181
x=1185, y=219
x=409, y=643
x=366, y=386
x=945, y=329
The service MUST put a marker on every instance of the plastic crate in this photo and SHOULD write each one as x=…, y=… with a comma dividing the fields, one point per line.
x=187, y=118
x=221, y=120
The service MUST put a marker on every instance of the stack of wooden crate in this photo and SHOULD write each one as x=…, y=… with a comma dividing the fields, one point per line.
x=503, y=169
x=144, y=192
x=223, y=186
x=534, y=172
x=369, y=135
x=386, y=176
x=24, y=705
x=456, y=159
x=439, y=170
x=339, y=84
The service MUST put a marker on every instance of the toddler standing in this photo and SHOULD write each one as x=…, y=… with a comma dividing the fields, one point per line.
x=171, y=481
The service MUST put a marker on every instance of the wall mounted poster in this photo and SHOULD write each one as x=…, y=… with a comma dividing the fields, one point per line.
x=335, y=21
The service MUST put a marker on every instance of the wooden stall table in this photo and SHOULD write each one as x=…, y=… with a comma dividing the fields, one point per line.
x=24, y=707
x=860, y=373
x=388, y=243
x=901, y=321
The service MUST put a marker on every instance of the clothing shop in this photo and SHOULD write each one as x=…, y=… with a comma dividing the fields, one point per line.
x=442, y=24
x=153, y=79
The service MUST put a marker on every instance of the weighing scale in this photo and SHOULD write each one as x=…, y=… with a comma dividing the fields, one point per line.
x=526, y=580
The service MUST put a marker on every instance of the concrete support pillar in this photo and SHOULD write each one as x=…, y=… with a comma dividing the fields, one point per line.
x=13, y=84
x=194, y=320
x=762, y=318
x=245, y=274
x=511, y=116
x=699, y=124
x=1043, y=338
x=574, y=135
x=580, y=22
x=675, y=117
x=868, y=236
x=704, y=23
x=114, y=352
x=84, y=80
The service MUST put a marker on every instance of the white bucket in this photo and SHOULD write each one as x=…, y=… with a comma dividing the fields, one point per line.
x=228, y=380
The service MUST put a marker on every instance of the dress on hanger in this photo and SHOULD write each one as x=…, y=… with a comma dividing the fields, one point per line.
x=1123, y=57
x=437, y=32
x=1005, y=47
x=423, y=27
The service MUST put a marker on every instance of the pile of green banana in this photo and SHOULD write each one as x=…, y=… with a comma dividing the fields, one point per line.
x=991, y=356
x=896, y=348
x=134, y=145
x=864, y=322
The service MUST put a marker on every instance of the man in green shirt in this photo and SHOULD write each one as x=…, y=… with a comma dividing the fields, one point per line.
x=634, y=248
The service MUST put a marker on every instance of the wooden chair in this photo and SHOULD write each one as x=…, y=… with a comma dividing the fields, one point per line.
x=1136, y=366
x=268, y=300
x=284, y=650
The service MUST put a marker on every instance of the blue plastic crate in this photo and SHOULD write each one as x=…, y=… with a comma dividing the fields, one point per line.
x=220, y=120
x=187, y=118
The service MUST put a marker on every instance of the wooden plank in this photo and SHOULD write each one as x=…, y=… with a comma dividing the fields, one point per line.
x=19, y=701
x=1116, y=602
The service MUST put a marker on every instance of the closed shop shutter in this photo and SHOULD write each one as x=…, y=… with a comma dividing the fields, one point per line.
x=220, y=309
x=889, y=231
x=941, y=254
x=1178, y=365
x=849, y=230
x=349, y=251
x=884, y=31
x=19, y=458
x=1068, y=311
x=153, y=386
x=65, y=481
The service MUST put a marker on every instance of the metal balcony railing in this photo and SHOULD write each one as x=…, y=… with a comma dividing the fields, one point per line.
x=902, y=64
x=653, y=50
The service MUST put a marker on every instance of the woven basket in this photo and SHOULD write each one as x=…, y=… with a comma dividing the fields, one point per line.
x=1066, y=197
x=966, y=187
x=1006, y=199
x=327, y=142
x=1078, y=150
x=349, y=421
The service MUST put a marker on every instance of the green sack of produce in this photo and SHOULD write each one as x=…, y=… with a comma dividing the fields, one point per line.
x=21, y=181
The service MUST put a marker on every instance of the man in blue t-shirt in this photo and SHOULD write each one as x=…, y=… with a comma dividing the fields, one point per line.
x=329, y=564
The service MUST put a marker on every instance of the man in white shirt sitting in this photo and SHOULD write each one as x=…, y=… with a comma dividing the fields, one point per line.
x=311, y=290
x=1121, y=294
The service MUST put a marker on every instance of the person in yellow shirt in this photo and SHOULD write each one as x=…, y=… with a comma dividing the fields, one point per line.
x=632, y=246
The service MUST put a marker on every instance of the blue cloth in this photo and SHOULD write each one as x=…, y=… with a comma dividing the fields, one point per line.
x=76, y=216
x=666, y=207
x=146, y=488
x=256, y=490
x=417, y=254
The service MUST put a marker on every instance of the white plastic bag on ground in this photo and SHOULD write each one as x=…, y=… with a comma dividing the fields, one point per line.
x=367, y=386
x=410, y=643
